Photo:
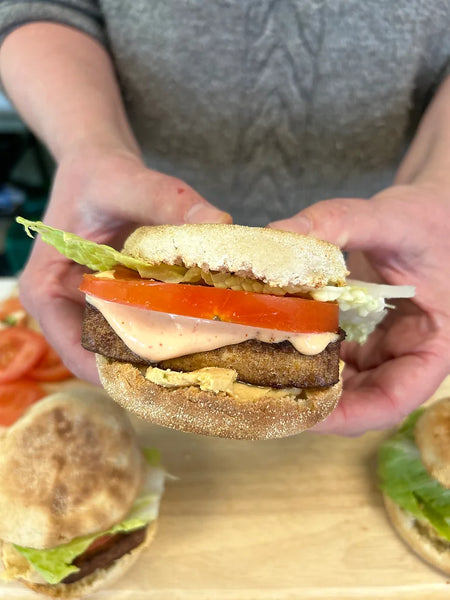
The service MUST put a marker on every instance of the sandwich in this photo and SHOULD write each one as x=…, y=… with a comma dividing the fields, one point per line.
x=414, y=474
x=78, y=496
x=221, y=330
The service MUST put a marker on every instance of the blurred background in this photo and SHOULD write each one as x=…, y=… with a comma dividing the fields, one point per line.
x=26, y=171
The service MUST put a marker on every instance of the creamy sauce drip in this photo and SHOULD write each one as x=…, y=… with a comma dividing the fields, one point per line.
x=158, y=336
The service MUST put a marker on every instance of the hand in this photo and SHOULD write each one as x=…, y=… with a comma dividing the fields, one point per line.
x=102, y=196
x=399, y=237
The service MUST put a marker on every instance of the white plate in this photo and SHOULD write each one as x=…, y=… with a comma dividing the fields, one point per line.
x=7, y=285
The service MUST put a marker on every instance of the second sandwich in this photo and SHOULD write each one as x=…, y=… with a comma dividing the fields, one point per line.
x=79, y=498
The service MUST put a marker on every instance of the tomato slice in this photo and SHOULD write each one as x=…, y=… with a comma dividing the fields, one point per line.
x=50, y=368
x=99, y=544
x=16, y=397
x=20, y=350
x=298, y=315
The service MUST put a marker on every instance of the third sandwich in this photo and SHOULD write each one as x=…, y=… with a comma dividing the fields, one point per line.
x=414, y=471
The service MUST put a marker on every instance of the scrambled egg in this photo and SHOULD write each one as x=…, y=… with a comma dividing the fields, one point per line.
x=214, y=379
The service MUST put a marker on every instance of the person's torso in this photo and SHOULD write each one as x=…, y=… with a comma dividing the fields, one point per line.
x=266, y=106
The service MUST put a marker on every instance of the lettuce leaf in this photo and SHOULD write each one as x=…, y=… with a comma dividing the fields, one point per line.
x=97, y=257
x=403, y=478
x=362, y=305
x=55, y=564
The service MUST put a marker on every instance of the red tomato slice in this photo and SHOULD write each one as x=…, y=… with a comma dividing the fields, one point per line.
x=16, y=397
x=20, y=350
x=99, y=543
x=298, y=315
x=50, y=368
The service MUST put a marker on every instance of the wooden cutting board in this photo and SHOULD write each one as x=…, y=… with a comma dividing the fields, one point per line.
x=299, y=517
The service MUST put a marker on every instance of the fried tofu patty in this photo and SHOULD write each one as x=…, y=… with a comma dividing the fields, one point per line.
x=258, y=363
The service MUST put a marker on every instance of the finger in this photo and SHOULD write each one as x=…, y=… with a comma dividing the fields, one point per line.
x=406, y=330
x=158, y=198
x=349, y=223
x=381, y=398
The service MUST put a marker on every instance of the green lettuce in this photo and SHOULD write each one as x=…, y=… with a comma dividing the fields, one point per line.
x=405, y=480
x=100, y=257
x=362, y=305
x=55, y=564
x=97, y=257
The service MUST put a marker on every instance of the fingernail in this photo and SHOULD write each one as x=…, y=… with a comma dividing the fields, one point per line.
x=299, y=224
x=202, y=213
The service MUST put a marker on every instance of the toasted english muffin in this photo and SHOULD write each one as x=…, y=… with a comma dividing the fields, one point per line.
x=70, y=467
x=278, y=258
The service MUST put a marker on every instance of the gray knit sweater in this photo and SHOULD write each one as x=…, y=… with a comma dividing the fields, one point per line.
x=265, y=106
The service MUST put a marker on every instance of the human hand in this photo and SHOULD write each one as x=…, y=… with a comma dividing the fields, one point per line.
x=100, y=195
x=399, y=237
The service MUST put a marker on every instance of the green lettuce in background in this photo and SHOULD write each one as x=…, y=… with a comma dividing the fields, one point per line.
x=55, y=564
x=405, y=480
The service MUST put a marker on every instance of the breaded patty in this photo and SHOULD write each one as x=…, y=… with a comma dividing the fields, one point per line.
x=258, y=363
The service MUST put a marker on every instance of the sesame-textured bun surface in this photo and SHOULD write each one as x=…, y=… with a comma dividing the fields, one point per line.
x=278, y=258
x=71, y=466
x=419, y=537
x=193, y=410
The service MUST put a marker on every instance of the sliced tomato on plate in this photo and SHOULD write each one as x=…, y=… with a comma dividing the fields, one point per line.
x=50, y=368
x=298, y=315
x=20, y=350
x=16, y=397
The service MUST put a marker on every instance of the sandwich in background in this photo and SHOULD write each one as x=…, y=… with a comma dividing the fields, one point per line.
x=414, y=474
x=221, y=330
x=79, y=498
x=29, y=366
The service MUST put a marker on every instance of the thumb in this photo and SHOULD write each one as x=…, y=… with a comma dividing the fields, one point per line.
x=349, y=223
x=158, y=198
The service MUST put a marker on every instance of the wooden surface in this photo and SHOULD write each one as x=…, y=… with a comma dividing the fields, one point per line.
x=294, y=518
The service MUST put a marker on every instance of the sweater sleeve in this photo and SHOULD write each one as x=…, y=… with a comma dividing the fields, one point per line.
x=84, y=15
